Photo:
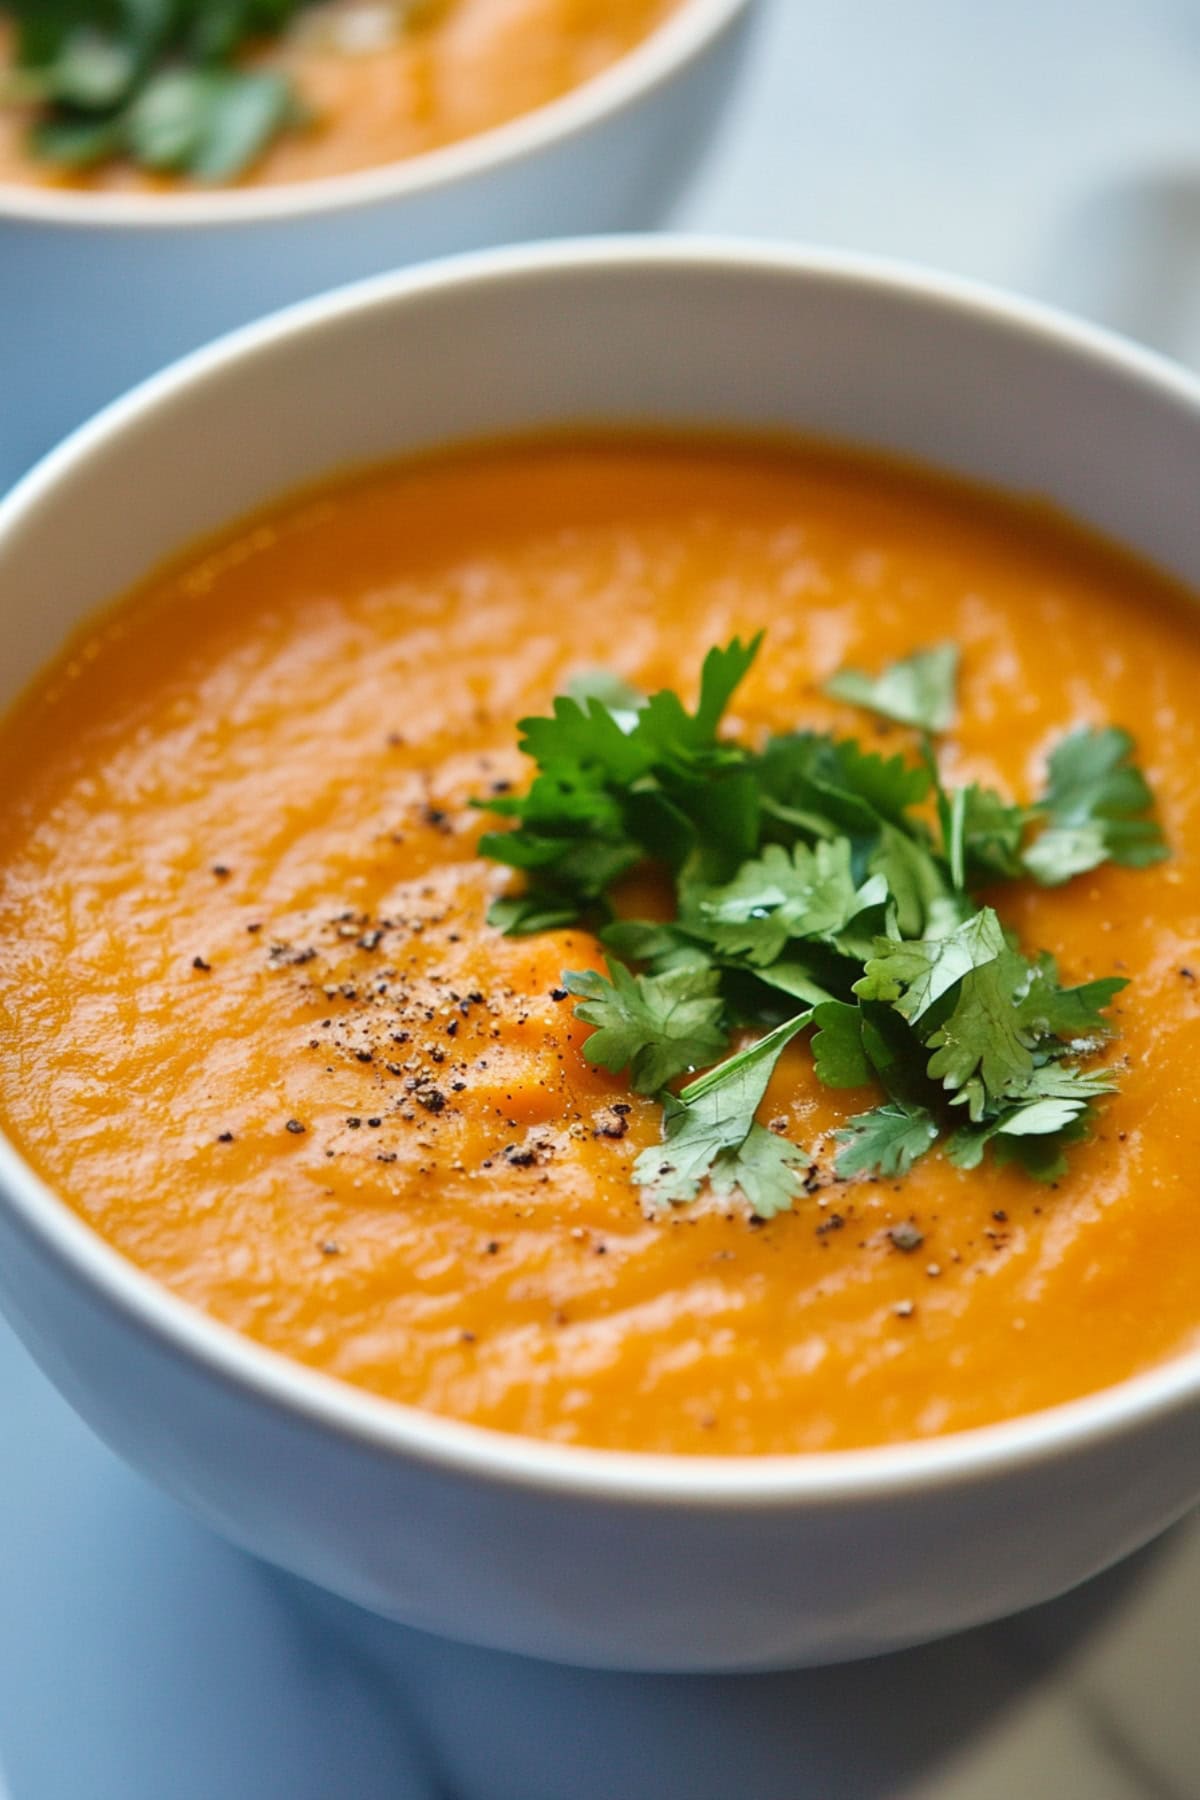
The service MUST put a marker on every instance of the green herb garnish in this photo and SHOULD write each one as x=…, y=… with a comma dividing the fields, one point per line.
x=818, y=884
x=155, y=82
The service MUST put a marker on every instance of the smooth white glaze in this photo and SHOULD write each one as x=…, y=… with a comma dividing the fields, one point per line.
x=586, y=1556
x=98, y=290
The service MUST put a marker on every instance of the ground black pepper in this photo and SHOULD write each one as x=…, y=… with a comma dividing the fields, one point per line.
x=906, y=1237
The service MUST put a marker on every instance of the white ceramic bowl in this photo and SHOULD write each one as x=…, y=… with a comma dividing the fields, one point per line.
x=589, y=1556
x=97, y=290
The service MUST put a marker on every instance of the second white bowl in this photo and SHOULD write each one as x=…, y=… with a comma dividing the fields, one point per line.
x=589, y=1556
x=97, y=290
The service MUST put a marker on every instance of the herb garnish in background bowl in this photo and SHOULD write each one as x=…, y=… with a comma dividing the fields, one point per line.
x=157, y=82
x=818, y=884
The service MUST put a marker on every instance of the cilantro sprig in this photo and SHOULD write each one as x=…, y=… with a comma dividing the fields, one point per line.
x=820, y=885
x=155, y=82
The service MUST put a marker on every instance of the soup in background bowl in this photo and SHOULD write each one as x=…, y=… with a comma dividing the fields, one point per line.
x=323, y=690
x=368, y=84
x=480, y=124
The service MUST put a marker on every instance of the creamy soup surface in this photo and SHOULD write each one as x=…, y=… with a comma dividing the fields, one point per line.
x=378, y=92
x=254, y=1028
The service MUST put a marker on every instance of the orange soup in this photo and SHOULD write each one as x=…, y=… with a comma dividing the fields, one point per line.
x=255, y=1028
x=376, y=89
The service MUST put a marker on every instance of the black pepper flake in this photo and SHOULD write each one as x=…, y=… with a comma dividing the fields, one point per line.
x=558, y=994
x=329, y=1248
x=364, y=1056
x=458, y=1087
x=1188, y=974
x=520, y=1157
x=225, y=1137
x=370, y=940
x=222, y=871
x=492, y=1247
x=1000, y=1216
x=374, y=1124
x=385, y=1156
x=621, y=1107
x=452, y=1028
x=906, y=1237
x=611, y=1124
x=354, y=1124
x=295, y=1127
x=198, y=962
x=254, y=925
x=834, y=1222
x=433, y=1100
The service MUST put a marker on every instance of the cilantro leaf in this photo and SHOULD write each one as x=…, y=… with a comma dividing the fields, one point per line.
x=578, y=873
x=660, y=947
x=807, y=783
x=1043, y=1156
x=722, y=814
x=897, y=1055
x=1076, y=1015
x=744, y=1075
x=992, y=830
x=585, y=740
x=1066, y=1082
x=668, y=732
x=984, y=1032
x=924, y=900
x=889, y=785
x=1096, y=802
x=723, y=672
x=708, y=1128
x=918, y=691
x=779, y=896
x=656, y=1026
x=837, y=1046
x=521, y=915
x=763, y=1168
x=912, y=976
x=622, y=700
x=699, y=1148
x=885, y=1141
x=1061, y=1119
x=795, y=976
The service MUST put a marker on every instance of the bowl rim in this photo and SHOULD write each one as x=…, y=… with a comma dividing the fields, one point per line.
x=679, y=40
x=373, y=1423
